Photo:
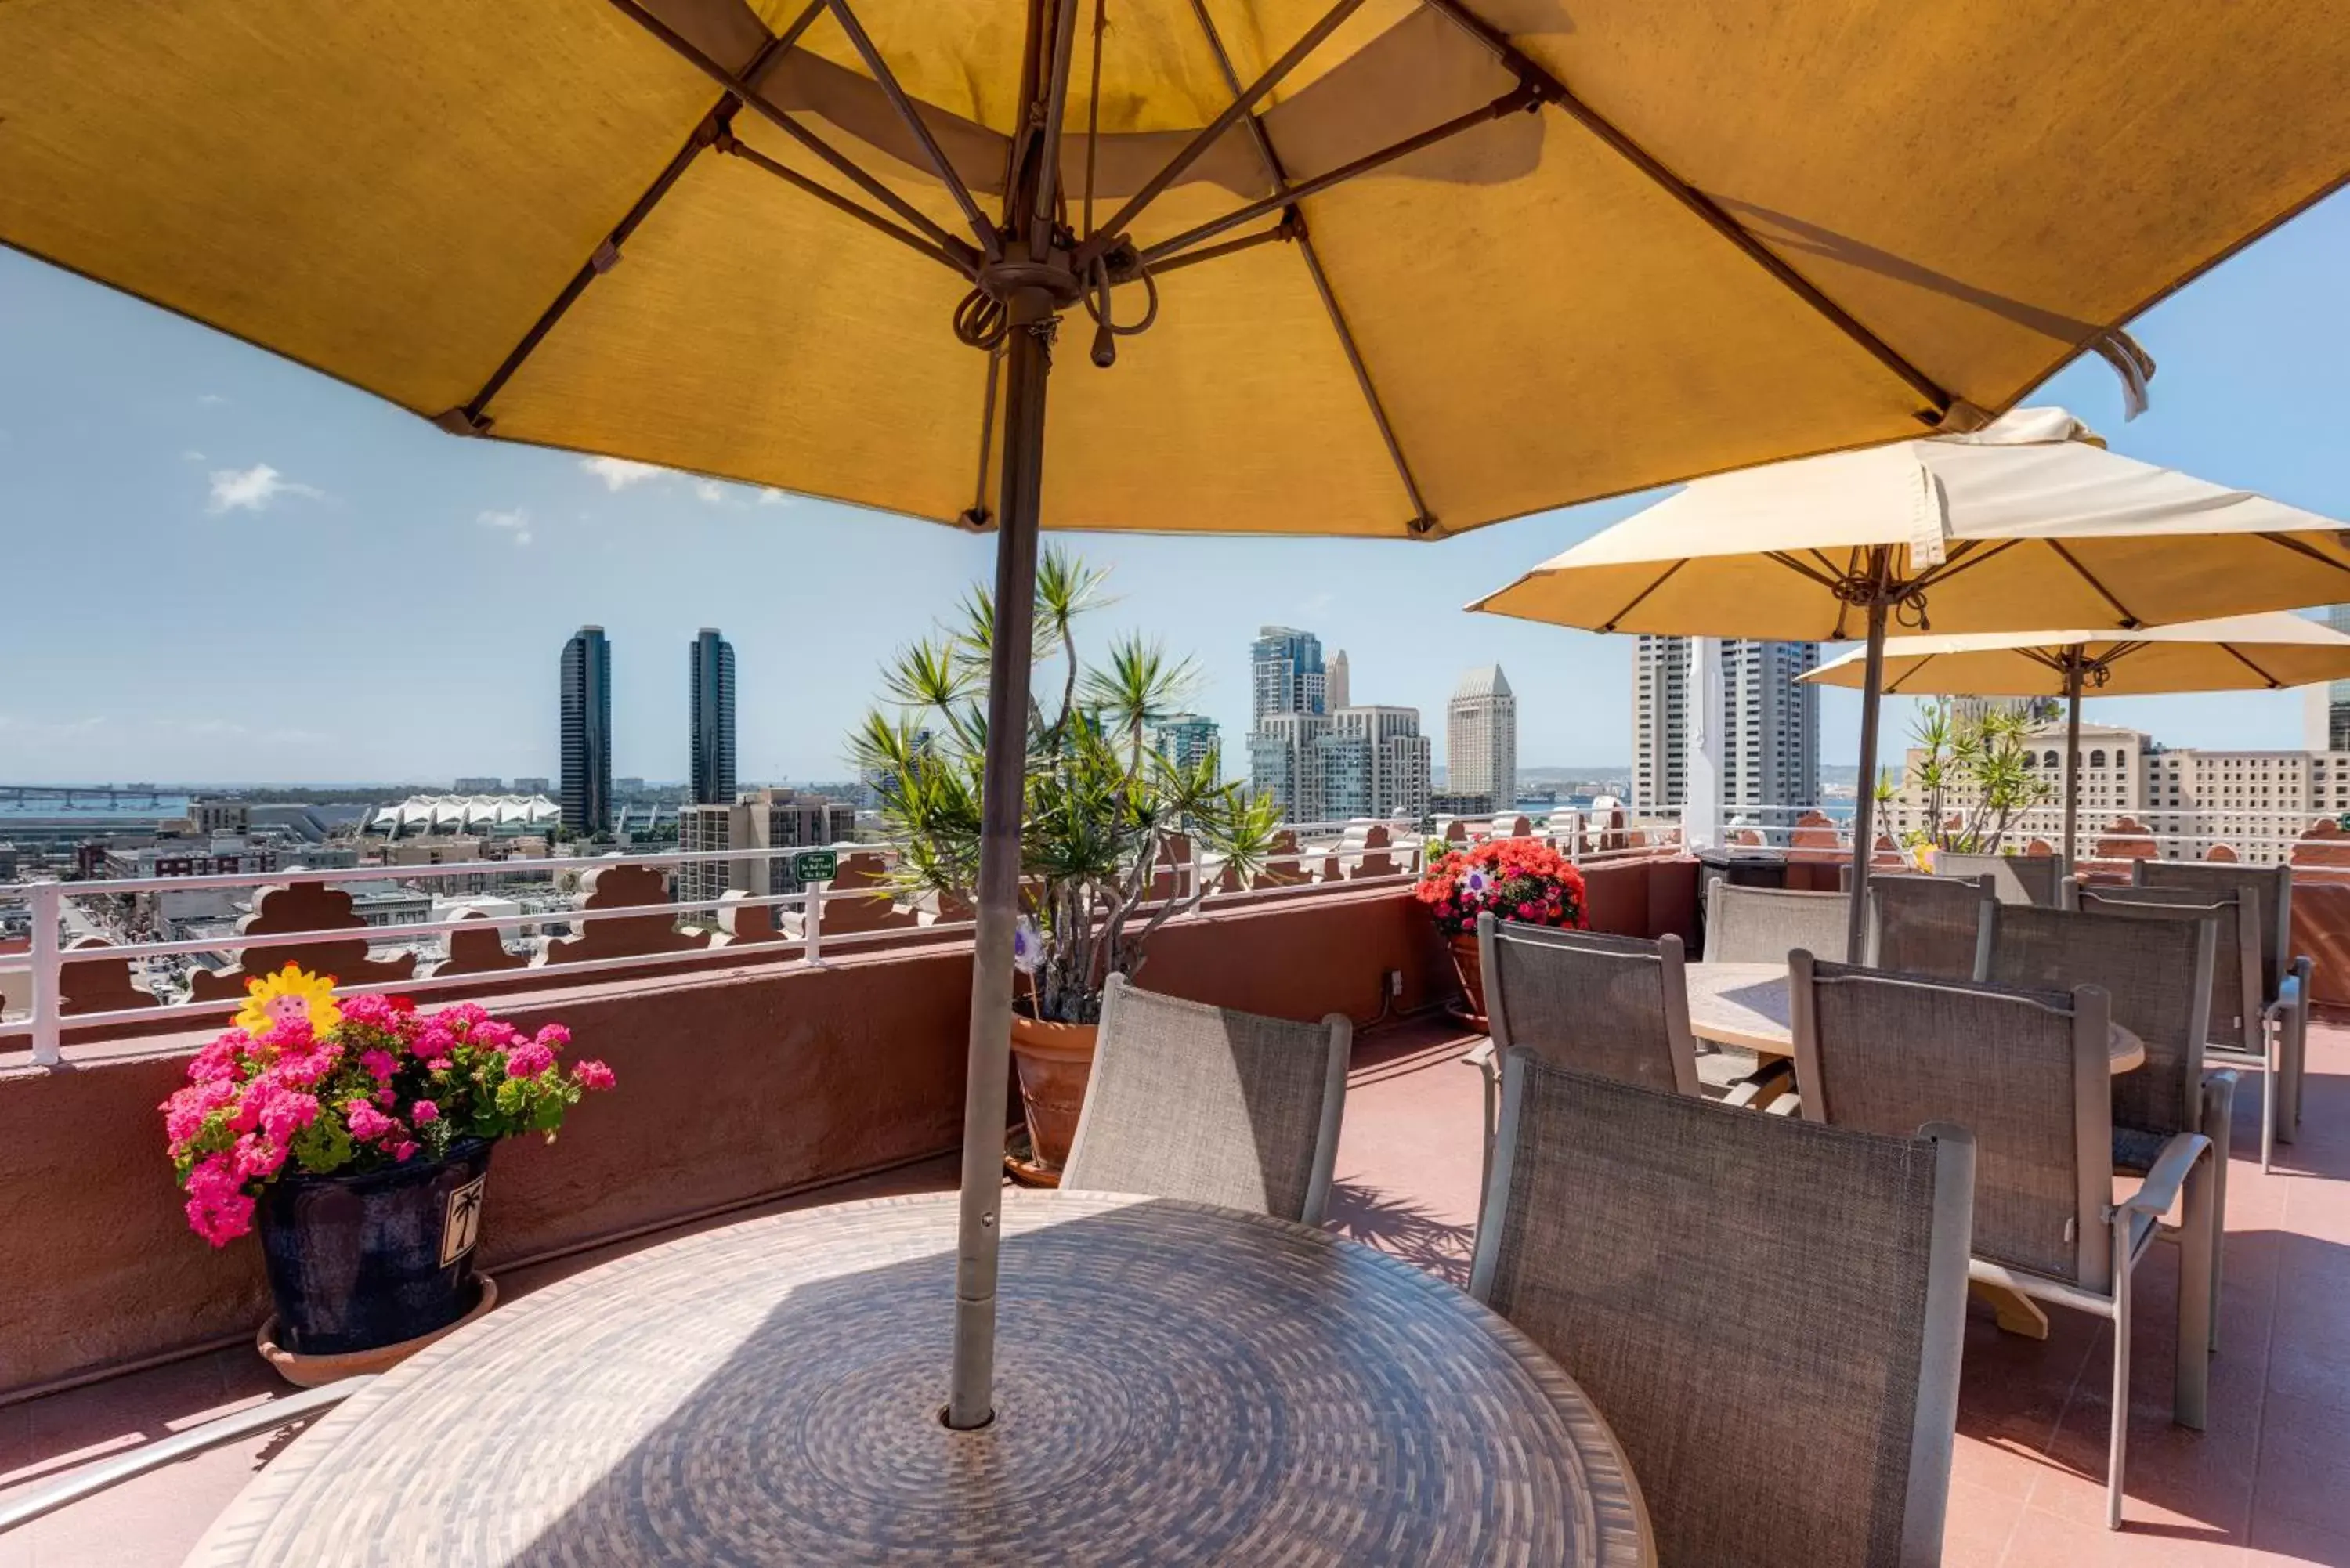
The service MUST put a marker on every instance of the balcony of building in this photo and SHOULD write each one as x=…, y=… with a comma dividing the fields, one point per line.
x=792, y=1049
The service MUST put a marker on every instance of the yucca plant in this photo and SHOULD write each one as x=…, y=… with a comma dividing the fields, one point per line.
x=1975, y=774
x=1100, y=803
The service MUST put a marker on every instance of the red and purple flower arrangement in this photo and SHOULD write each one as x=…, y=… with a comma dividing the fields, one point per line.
x=1517, y=879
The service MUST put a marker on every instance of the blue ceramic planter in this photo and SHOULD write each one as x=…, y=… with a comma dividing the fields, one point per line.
x=357, y=1262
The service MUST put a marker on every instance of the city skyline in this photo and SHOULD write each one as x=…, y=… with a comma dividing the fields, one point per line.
x=175, y=497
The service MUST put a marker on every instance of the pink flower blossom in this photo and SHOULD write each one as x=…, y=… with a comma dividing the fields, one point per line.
x=218, y=1060
x=593, y=1076
x=386, y=1098
x=438, y=1064
x=367, y=1123
x=378, y=1012
x=554, y=1037
x=379, y=1065
x=528, y=1060
x=218, y=1209
x=423, y=1113
x=256, y=1157
x=403, y=1148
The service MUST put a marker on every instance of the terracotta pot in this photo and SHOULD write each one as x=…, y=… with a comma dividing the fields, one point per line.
x=1471, y=967
x=1054, y=1061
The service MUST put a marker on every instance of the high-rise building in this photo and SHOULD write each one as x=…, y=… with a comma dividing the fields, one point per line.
x=1373, y=762
x=1480, y=737
x=2328, y=723
x=1334, y=683
x=1659, y=721
x=586, y=705
x=771, y=819
x=1771, y=739
x=1284, y=765
x=711, y=674
x=1184, y=739
x=1286, y=673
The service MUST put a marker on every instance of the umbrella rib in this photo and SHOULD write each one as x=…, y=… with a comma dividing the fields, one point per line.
x=862, y=43
x=467, y=418
x=1662, y=577
x=955, y=260
x=2290, y=543
x=1098, y=242
x=1824, y=578
x=2129, y=621
x=2231, y=649
x=846, y=167
x=1289, y=228
x=1421, y=521
x=1509, y=103
x=1963, y=555
x=1704, y=206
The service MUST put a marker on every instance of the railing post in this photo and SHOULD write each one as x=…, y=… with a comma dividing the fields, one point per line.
x=812, y=921
x=48, y=902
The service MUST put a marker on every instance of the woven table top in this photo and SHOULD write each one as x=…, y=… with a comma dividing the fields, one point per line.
x=1174, y=1384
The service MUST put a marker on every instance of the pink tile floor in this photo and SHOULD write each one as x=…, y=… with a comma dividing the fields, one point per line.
x=2268, y=1483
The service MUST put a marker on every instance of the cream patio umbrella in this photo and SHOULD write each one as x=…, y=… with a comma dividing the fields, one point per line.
x=2028, y=523
x=2236, y=653
x=1387, y=267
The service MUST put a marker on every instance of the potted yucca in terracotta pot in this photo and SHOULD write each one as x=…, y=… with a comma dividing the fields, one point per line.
x=1101, y=807
x=357, y=1135
x=1522, y=879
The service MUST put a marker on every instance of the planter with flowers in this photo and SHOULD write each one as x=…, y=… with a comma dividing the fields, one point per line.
x=358, y=1135
x=1522, y=879
x=1101, y=805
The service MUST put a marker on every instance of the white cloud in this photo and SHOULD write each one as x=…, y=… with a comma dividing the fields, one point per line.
x=773, y=498
x=191, y=455
x=516, y=523
x=618, y=473
x=252, y=489
x=209, y=399
x=711, y=492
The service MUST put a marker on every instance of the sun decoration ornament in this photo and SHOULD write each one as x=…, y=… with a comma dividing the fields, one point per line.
x=289, y=996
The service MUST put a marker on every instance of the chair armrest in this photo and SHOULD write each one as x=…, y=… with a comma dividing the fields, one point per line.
x=2159, y=1190
x=1481, y=1055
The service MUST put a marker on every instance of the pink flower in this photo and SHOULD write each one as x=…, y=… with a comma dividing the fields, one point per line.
x=424, y=1113
x=554, y=1037
x=218, y=1060
x=386, y=1098
x=438, y=1064
x=593, y=1076
x=528, y=1060
x=377, y=1012
x=367, y=1123
x=1529, y=911
x=256, y=1157
x=378, y=1065
x=403, y=1149
x=218, y=1209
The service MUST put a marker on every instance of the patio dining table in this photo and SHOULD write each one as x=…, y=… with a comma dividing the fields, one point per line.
x=1746, y=1004
x=1174, y=1382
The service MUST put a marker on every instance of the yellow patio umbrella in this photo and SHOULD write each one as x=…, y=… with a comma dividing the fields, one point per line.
x=1387, y=267
x=2026, y=524
x=2235, y=653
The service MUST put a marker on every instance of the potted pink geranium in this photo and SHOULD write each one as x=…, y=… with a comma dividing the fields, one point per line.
x=1522, y=879
x=358, y=1135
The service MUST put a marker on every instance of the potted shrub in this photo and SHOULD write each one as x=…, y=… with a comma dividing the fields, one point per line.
x=358, y=1133
x=1519, y=880
x=1102, y=803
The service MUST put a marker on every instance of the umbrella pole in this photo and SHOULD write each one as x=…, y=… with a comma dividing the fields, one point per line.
x=1028, y=361
x=1864, y=809
x=2072, y=762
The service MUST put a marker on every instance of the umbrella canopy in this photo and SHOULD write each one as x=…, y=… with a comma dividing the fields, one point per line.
x=2027, y=523
x=1368, y=267
x=2235, y=653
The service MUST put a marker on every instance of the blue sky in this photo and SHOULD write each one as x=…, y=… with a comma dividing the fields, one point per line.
x=221, y=567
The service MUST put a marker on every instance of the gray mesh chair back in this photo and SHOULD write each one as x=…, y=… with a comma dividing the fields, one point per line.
x=2026, y=1071
x=1764, y=925
x=2270, y=886
x=1206, y=1103
x=1928, y=925
x=2016, y=879
x=1640, y=1237
x=1617, y=1006
x=2157, y=975
x=2235, y=956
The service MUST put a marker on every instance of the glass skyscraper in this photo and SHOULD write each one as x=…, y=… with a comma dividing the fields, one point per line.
x=587, y=703
x=712, y=673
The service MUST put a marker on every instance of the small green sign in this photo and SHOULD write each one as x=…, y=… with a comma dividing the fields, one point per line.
x=815, y=864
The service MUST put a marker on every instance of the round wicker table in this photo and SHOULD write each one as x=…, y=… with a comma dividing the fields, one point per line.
x=1174, y=1384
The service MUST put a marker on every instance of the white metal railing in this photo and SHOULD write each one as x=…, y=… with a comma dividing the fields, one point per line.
x=48, y=902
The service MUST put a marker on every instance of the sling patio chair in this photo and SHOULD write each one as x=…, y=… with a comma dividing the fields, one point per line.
x=2017, y=878
x=1617, y=1006
x=1212, y=1106
x=1620, y=1224
x=1933, y=926
x=1764, y=925
x=2028, y=1072
x=2287, y=979
x=2241, y=1032
x=2159, y=977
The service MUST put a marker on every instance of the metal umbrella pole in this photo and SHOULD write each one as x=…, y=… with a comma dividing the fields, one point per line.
x=1864, y=810
x=1031, y=281
x=2075, y=666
